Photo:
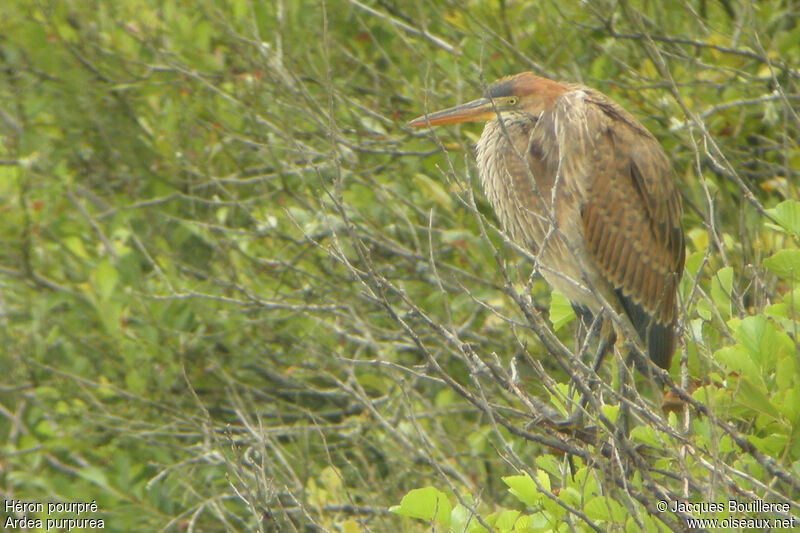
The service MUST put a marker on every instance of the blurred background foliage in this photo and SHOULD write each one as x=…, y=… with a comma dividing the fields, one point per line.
x=236, y=291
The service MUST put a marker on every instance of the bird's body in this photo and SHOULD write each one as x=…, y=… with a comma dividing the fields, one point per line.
x=579, y=182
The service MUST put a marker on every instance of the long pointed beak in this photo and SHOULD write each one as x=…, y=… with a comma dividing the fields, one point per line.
x=479, y=110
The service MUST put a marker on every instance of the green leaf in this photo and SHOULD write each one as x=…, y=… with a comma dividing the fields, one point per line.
x=541, y=521
x=94, y=475
x=772, y=445
x=602, y=508
x=479, y=440
x=704, y=310
x=787, y=214
x=549, y=464
x=571, y=496
x=506, y=519
x=792, y=299
x=561, y=312
x=721, y=288
x=788, y=403
x=434, y=190
x=524, y=489
x=737, y=360
x=135, y=382
x=75, y=245
x=784, y=263
x=562, y=390
x=109, y=313
x=646, y=435
x=787, y=374
x=331, y=478
x=428, y=504
x=462, y=519
x=763, y=341
x=106, y=278
x=584, y=478
x=610, y=412
x=694, y=262
x=754, y=396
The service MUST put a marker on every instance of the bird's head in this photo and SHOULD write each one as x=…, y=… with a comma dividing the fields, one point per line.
x=522, y=93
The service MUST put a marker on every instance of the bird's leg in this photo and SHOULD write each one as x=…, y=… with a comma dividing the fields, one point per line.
x=627, y=390
x=589, y=327
x=622, y=413
x=585, y=321
x=607, y=340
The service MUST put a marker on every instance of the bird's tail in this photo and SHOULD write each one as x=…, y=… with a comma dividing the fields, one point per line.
x=658, y=337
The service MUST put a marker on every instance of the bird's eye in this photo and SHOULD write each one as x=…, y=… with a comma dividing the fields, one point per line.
x=512, y=100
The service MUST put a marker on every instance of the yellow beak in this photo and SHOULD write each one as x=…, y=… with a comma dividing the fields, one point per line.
x=479, y=110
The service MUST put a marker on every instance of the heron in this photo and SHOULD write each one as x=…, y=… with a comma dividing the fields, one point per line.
x=582, y=185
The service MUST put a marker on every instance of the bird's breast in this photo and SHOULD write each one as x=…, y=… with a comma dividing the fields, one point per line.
x=535, y=202
x=520, y=175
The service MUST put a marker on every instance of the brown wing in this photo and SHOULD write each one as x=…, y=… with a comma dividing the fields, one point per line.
x=631, y=222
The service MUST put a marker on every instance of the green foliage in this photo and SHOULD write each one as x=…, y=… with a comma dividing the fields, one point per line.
x=237, y=294
x=561, y=312
x=428, y=504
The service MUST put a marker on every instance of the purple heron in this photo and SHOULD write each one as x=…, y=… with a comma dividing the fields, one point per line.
x=580, y=183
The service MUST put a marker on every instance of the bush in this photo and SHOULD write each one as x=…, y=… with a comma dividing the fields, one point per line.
x=239, y=294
